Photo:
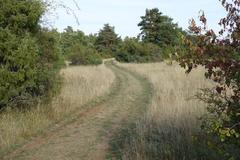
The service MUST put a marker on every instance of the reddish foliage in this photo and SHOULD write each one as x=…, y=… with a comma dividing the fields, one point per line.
x=220, y=55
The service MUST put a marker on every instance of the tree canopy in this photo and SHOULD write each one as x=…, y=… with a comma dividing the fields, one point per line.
x=158, y=29
x=107, y=40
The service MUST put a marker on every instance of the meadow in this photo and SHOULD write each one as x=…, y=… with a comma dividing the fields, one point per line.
x=168, y=127
x=81, y=84
x=165, y=130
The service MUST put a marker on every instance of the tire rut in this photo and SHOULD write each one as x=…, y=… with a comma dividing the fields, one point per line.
x=87, y=134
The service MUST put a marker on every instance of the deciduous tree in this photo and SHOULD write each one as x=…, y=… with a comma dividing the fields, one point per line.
x=219, y=53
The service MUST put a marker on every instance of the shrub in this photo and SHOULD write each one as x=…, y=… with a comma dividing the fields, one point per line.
x=220, y=55
x=21, y=16
x=81, y=55
x=49, y=46
x=70, y=37
x=50, y=61
x=18, y=71
x=29, y=55
x=131, y=50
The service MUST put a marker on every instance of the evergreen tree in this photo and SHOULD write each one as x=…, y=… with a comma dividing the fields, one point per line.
x=107, y=40
x=158, y=29
x=27, y=53
x=21, y=16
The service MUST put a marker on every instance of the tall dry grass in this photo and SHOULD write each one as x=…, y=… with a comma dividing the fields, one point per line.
x=167, y=130
x=81, y=84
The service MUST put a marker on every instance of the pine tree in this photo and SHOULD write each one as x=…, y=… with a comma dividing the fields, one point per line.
x=107, y=40
x=158, y=29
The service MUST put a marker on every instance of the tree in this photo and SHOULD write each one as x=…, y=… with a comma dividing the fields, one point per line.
x=158, y=29
x=107, y=40
x=220, y=55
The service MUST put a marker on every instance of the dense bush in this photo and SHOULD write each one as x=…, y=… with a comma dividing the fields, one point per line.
x=28, y=54
x=131, y=50
x=69, y=38
x=18, y=72
x=220, y=56
x=82, y=55
x=21, y=16
x=79, y=48
x=50, y=61
x=49, y=46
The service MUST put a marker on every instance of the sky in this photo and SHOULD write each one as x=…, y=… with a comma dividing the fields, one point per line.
x=125, y=14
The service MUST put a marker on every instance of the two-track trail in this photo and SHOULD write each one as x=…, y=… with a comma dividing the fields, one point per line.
x=87, y=135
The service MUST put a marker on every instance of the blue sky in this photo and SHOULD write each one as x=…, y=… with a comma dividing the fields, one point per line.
x=125, y=14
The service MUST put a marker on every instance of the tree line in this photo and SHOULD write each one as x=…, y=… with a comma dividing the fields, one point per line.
x=158, y=38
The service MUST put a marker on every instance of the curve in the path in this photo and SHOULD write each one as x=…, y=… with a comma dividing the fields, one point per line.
x=88, y=133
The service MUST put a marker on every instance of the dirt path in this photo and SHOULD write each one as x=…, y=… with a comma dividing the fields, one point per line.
x=88, y=133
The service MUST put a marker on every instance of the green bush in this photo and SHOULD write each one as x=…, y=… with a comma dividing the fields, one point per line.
x=49, y=45
x=81, y=55
x=69, y=38
x=131, y=50
x=29, y=55
x=21, y=16
x=18, y=70
x=50, y=61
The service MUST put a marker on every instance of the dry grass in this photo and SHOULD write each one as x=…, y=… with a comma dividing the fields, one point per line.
x=81, y=85
x=167, y=129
